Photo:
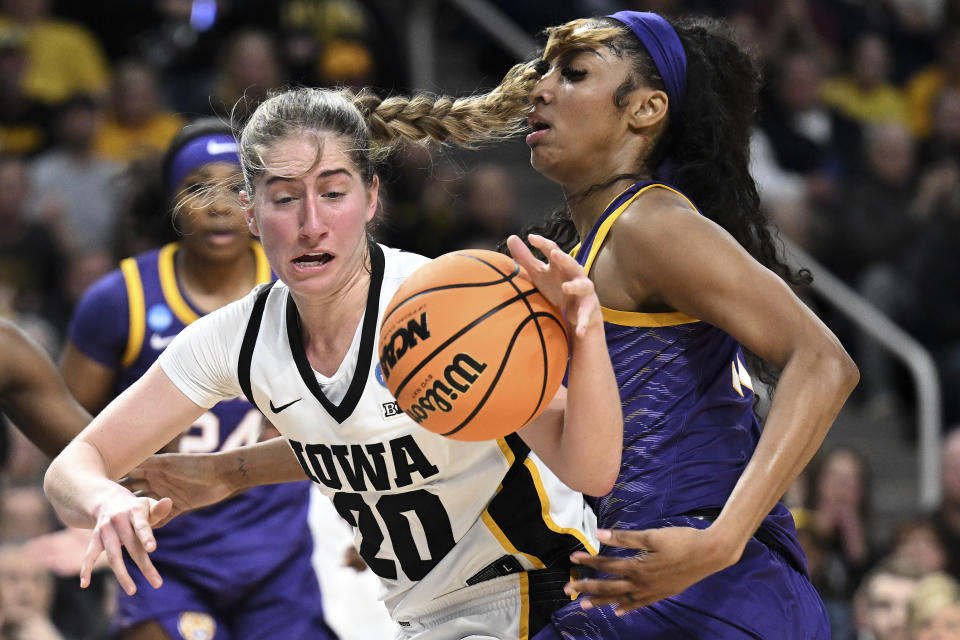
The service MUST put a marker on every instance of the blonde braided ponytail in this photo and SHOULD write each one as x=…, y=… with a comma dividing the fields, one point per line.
x=464, y=122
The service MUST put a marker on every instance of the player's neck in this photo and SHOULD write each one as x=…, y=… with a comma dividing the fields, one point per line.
x=328, y=325
x=588, y=205
x=210, y=284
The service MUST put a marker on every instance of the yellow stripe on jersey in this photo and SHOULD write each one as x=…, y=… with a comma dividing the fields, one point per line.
x=523, y=633
x=171, y=290
x=545, y=509
x=137, y=313
x=168, y=282
x=264, y=274
x=494, y=527
x=633, y=318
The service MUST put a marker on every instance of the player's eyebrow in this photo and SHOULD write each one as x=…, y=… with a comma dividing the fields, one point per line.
x=323, y=174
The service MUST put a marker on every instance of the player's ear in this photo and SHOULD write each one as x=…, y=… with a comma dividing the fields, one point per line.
x=373, y=197
x=248, y=213
x=647, y=107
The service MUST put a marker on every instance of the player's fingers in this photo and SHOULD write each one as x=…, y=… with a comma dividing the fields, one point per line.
x=628, y=539
x=130, y=538
x=545, y=245
x=111, y=544
x=160, y=510
x=94, y=549
x=140, y=522
x=609, y=565
x=524, y=257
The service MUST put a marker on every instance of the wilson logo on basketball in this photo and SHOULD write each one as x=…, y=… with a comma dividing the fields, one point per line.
x=403, y=339
x=458, y=377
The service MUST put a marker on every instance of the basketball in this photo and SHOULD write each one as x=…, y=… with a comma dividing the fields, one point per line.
x=470, y=348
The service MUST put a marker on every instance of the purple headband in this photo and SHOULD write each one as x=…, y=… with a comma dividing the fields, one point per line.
x=216, y=147
x=664, y=46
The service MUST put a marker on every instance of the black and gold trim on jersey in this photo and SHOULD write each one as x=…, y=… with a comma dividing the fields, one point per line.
x=508, y=516
x=368, y=334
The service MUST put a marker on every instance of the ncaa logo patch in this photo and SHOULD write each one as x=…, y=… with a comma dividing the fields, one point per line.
x=194, y=625
x=378, y=374
x=159, y=317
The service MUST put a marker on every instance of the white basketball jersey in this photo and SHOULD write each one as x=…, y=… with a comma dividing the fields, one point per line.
x=431, y=515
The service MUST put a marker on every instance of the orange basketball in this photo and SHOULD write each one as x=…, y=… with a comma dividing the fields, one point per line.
x=469, y=348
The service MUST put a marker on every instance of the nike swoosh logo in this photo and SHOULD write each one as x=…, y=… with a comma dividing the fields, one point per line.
x=159, y=342
x=283, y=406
x=215, y=148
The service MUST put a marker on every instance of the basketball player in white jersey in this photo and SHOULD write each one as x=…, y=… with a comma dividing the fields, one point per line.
x=469, y=539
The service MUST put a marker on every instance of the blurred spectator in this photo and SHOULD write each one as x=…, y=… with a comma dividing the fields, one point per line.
x=25, y=463
x=839, y=523
x=248, y=70
x=26, y=597
x=24, y=513
x=882, y=600
x=489, y=212
x=137, y=123
x=867, y=240
x=916, y=542
x=71, y=187
x=420, y=189
x=935, y=609
x=936, y=276
x=943, y=143
x=947, y=515
x=31, y=261
x=810, y=141
x=865, y=93
x=24, y=121
x=324, y=42
x=924, y=86
x=63, y=58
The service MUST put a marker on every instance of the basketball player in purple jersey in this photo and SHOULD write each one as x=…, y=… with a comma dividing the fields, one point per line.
x=645, y=125
x=239, y=569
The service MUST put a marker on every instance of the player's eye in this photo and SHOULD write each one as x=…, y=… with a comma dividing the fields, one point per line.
x=571, y=74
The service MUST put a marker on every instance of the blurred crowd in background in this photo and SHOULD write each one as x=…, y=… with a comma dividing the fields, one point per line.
x=856, y=152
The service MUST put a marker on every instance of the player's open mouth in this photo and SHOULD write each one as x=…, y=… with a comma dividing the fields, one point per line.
x=313, y=259
x=540, y=129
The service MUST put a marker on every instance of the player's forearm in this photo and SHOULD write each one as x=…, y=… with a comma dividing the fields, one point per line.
x=593, y=420
x=270, y=462
x=812, y=389
x=76, y=484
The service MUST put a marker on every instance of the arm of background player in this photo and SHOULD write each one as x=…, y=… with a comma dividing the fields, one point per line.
x=195, y=480
x=90, y=382
x=33, y=395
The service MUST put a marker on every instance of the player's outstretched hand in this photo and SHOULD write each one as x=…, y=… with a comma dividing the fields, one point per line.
x=561, y=280
x=126, y=521
x=668, y=561
x=190, y=480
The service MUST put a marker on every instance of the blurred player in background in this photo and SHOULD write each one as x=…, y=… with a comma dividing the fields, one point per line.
x=234, y=570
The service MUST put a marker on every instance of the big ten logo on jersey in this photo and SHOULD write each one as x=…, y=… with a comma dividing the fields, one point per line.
x=389, y=409
x=440, y=394
x=404, y=338
x=412, y=522
x=234, y=426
